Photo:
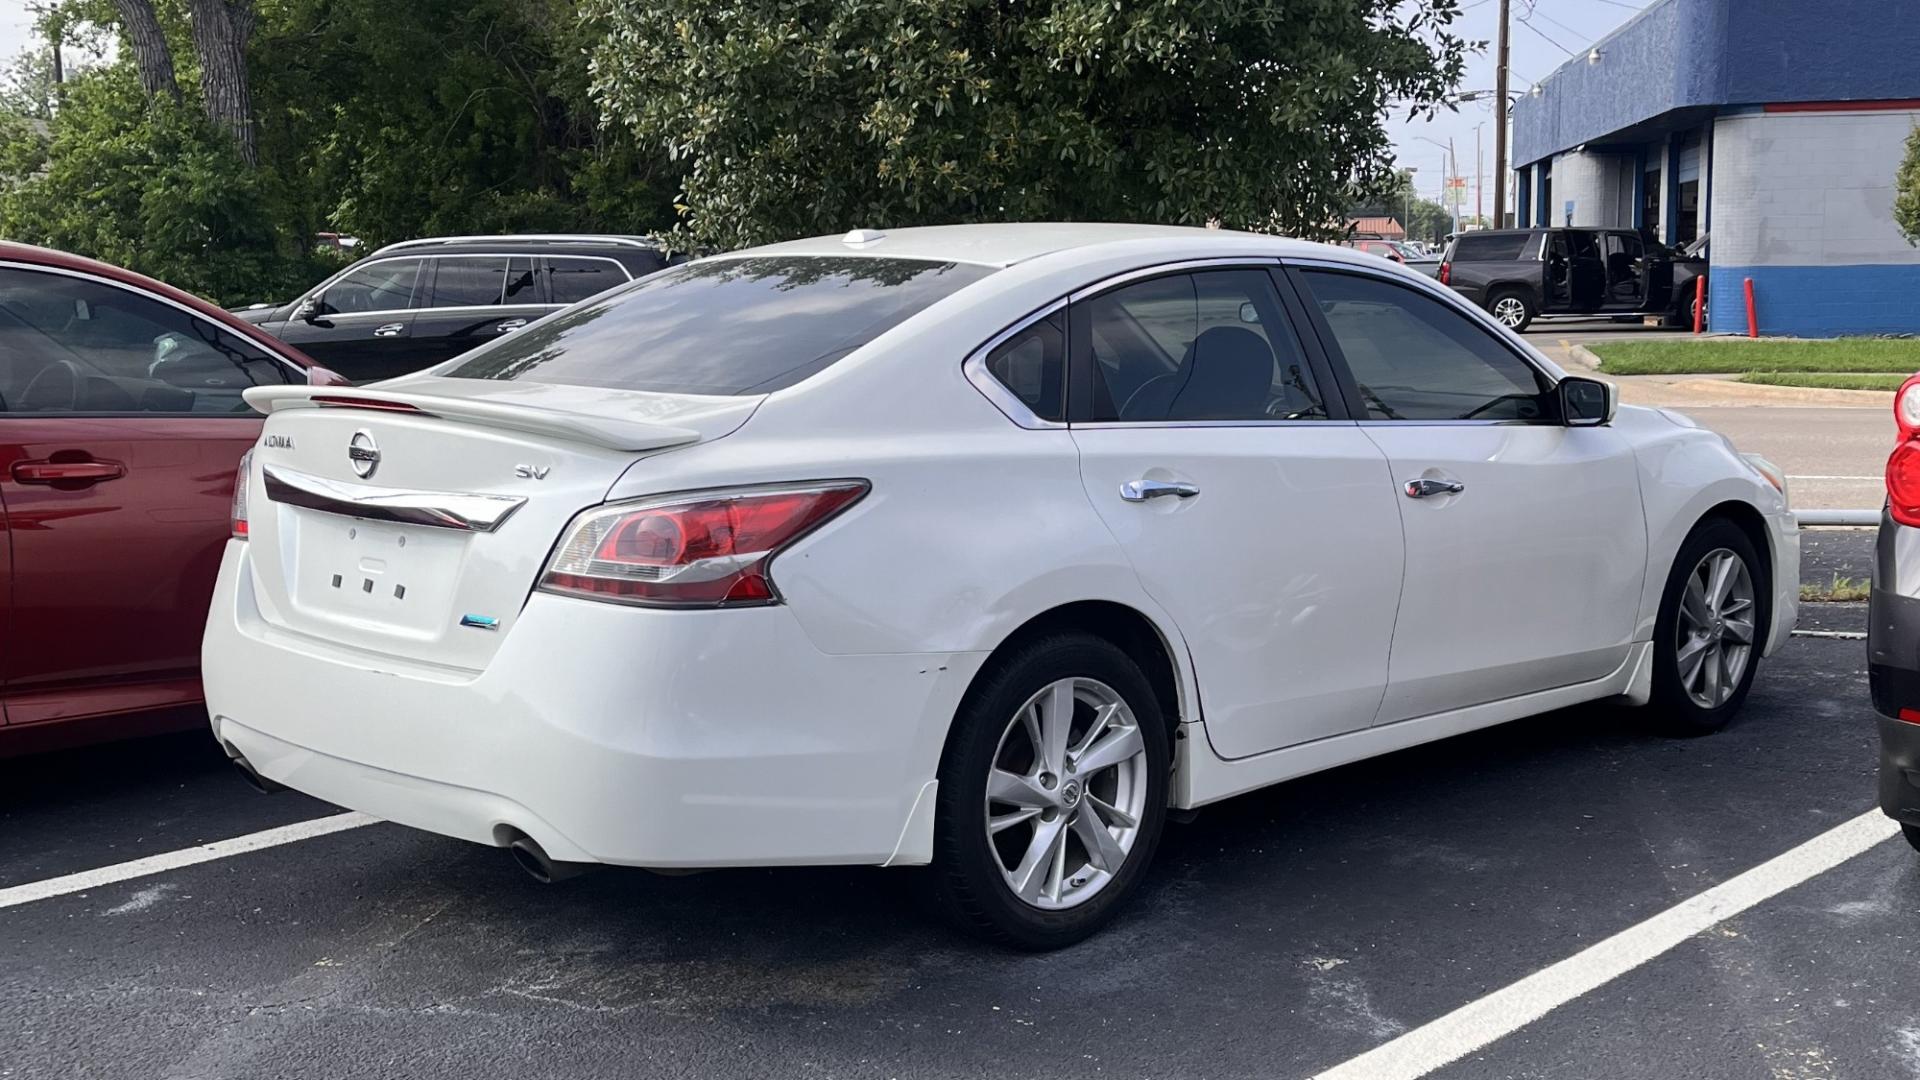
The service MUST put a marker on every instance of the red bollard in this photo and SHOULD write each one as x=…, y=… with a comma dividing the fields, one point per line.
x=1699, y=300
x=1753, y=317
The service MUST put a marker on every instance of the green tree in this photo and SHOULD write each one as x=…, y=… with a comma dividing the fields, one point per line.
x=387, y=121
x=808, y=116
x=1906, y=191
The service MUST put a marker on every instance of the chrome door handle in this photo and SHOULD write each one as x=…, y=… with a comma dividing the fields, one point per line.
x=1142, y=490
x=392, y=329
x=510, y=325
x=1423, y=487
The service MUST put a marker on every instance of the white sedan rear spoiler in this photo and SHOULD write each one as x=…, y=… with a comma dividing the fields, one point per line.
x=603, y=427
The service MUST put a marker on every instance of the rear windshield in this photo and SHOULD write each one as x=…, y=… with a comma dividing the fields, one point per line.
x=1497, y=247
x=725, y=326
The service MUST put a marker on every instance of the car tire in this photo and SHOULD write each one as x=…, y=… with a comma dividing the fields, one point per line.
x=1695, y=631
x=1511, y=308
x=982, y=845
x=1912, y=833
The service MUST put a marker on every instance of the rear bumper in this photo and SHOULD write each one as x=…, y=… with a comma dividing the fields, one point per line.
x=606, y=733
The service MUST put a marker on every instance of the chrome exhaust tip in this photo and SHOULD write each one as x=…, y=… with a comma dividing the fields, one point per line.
x=528, y=855
x=252, y=775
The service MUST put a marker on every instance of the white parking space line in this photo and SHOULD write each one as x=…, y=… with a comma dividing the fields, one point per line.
x=174, y=860
x=1507, y=1010
x=1836, y=477
x=1833, y=635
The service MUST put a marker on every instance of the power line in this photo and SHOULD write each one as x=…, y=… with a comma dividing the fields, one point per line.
x=1544, y=37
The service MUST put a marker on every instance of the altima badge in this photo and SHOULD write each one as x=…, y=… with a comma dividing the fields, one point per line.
x=363, y=453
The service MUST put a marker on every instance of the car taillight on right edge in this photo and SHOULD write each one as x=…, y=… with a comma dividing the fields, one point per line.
x=1446, y=273
x=1903, y=468
x=695, y=549
x=238, y=517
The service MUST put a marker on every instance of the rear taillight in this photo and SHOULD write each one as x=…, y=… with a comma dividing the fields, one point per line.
x=699, y=549
x=1903, y=468
x=1446, y=273
x=238, y=517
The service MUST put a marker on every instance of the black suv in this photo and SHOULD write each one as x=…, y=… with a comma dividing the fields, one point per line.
x=1518, y=274
x=411, y=305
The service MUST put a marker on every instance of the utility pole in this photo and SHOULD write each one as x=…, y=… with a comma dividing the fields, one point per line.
x=1500, y=123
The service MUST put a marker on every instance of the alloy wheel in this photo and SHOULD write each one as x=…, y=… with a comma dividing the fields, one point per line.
x=1066, y=793
x=1510, y=311
x=1715, y=628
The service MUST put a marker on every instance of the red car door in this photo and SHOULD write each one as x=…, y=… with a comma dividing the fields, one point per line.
x=121, y=428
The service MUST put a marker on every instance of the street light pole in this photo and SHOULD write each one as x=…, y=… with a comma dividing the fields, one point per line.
x=1479, y=201
x=1500, y=123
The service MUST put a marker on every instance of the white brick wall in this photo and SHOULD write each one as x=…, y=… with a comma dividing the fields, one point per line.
x=1808, y=189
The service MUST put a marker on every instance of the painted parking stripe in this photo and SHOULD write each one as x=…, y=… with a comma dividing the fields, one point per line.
x=1507, y=1010
x=174, y=860
x=1880, y=477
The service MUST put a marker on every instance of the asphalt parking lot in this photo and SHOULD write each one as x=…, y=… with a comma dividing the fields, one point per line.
x=1281, y=934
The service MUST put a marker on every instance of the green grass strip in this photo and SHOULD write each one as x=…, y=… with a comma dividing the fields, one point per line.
x=1697, y=357
x=1825, y=380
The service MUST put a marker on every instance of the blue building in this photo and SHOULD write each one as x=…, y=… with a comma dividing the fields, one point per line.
x=1774, y=126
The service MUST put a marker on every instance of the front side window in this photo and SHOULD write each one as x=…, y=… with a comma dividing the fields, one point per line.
x=1415, y=358
x=471, y=281
x=386, y=285
x=573, y=280
x=1211, y=345
x=722, y=326
x=76, y=345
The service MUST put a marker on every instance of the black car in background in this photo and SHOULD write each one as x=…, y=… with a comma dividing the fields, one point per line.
x=413, y=304
x=1520, y=274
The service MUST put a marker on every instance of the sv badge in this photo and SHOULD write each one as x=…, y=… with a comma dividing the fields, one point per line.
x=532, y=472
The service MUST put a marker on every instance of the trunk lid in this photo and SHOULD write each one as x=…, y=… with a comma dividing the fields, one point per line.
x=412, y=520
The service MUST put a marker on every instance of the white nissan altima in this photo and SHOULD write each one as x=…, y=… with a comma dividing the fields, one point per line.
x=974, y=547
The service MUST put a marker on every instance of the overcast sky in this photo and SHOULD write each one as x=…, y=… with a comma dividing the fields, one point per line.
x=1572, y=25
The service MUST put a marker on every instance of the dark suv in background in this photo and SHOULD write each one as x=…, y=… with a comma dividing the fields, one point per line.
x=1521, y=274
x=411, y=305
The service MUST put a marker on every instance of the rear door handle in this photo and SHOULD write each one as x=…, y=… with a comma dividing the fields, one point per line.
x=392, y=329
x=1142, y=490
x=77, y=473
x=510, y=325
x=1424, y=487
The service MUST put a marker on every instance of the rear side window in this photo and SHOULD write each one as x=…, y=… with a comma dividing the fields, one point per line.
x=1496, y=247
x=573, y=280
x=473, y=281
x=1033, y=365
x=724, y=326
x=1214, y=345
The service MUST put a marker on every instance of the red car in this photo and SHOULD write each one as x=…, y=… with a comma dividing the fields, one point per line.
x=121, y=429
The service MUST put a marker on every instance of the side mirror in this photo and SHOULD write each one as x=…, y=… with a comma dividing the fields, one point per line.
x=1586, y=402
x=308, y=310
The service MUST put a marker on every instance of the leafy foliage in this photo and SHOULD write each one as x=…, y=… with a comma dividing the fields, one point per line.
x=383, y=121
x=807, y=116
x=1906, y=191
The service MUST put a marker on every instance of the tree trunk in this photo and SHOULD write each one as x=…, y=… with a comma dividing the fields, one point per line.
x=150, y=53
x=220, y=32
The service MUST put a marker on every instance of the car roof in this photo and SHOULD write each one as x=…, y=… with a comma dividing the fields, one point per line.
x=61, y=260
x=1005, y=245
